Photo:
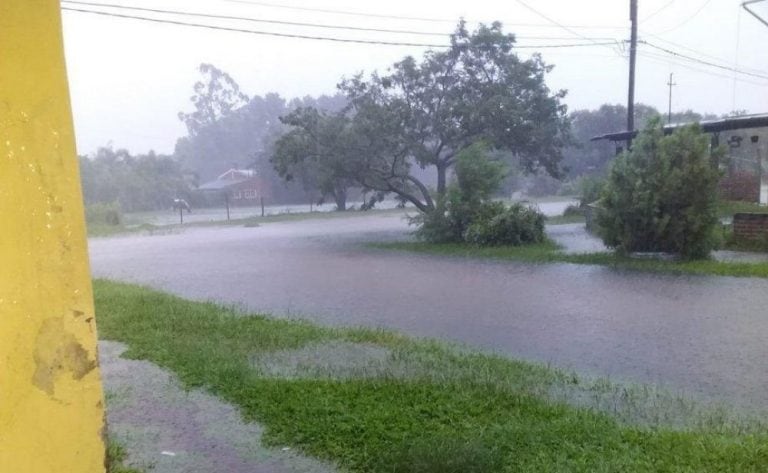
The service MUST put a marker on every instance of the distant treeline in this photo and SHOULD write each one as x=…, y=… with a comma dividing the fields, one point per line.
x=227, y=130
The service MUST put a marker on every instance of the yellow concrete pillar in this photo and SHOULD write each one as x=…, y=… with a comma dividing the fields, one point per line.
x=51, y=404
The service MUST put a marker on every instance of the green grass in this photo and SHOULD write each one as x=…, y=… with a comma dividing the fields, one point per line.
x=116, y=456
x=428, y=406
x=550, y=253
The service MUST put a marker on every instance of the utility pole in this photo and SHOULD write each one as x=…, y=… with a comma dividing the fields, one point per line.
x=51, y=402
x=632, y=58
x=669, y=110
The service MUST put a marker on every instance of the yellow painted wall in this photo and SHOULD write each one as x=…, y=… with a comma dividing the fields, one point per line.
x=51, y=409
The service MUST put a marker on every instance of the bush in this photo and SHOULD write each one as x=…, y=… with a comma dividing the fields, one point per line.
x=662, y=195
x=515, y=225
x=466, y=214
x=466, y=200
x=104, y=214
x=590, y=189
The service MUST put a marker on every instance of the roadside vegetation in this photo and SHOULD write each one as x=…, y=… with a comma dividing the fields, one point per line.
x=376, y=401
x=467, y=212
x=549, y=252
x=662, y=195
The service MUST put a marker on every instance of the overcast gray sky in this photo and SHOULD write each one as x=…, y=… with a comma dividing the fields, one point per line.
x=130, y=78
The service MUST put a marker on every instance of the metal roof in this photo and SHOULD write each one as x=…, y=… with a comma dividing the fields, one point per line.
x=219, y=184
x=709, y=126
x=230, y=178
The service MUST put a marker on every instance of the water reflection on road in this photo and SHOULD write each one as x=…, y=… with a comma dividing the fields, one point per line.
x=703, y=335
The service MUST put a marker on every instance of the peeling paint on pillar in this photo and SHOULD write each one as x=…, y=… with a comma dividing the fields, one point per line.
x=51, y=409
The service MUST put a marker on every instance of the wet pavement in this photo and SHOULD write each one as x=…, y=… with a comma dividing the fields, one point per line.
x=704, y=336
x=166, y=428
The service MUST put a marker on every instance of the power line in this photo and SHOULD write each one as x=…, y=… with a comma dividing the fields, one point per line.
x=292, y=23
x=341, y=12
x=659, y=10
x=256, y=32
x=560, y=25
x=301, y=36
x=399, y=17
x=255, y=20
x=706, y=55
x=667, y=60
x=695, y=14
x=700, y=61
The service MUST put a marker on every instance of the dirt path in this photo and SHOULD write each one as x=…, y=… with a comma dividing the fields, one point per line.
x=166, y=429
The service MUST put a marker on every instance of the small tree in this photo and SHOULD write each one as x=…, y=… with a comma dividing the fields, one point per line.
x=662, y=195
x=315, y=150
x=467, y=213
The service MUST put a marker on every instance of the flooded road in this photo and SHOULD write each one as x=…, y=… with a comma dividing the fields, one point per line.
x=705, y=336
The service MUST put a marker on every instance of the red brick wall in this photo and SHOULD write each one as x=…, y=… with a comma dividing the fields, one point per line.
x=740, y=185
x=749, y=226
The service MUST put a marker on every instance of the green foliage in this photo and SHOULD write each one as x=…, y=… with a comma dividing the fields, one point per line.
x=475, y=410
x=515, y=225
x=104, y=214
x=548, y=252
x=467, y=199
x=315, y=151
x=590, y=189
x=136, y=183
x=662, y=195
x=227, y=129
x=116, y=456
x=587, y=157
x=216, y=97
x=467, y=214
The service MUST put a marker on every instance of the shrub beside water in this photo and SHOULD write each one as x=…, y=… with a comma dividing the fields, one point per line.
x=467, y=213
x=662, y=195
x=514, y=225
x=104, y=214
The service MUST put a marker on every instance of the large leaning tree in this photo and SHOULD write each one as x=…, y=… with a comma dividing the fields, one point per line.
x=316, y=151
x=423, y=113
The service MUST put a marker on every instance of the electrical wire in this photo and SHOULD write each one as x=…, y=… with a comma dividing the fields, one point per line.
x=341, y=12
x=657, y=11
x=700, y=61
x=667, y=60
x=564, y=27
x=644, y=34
x=255, y=20
x=591, y=42
x=695, y=14
x=397, y=17
x=256, y=32
x=292, y=23
x=301, y=36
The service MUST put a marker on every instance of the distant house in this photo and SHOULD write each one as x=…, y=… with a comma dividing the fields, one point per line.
x=239, y=186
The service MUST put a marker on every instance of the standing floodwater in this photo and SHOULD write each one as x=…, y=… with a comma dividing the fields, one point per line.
x=704, y=335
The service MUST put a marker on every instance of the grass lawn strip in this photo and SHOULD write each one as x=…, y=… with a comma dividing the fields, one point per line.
x=549, y=252
x=413, y=405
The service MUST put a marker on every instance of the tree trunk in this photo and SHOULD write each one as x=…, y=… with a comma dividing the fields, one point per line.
x=340, y=195
x=442, y=171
